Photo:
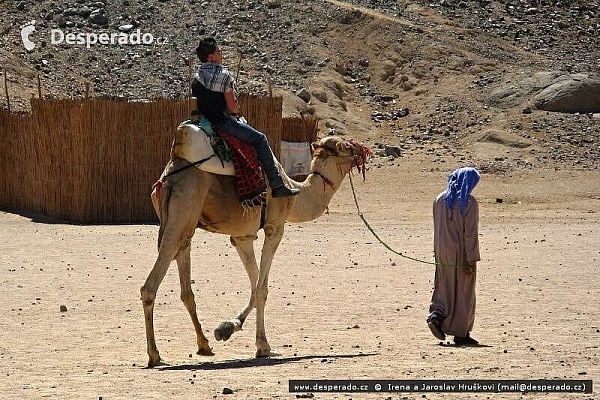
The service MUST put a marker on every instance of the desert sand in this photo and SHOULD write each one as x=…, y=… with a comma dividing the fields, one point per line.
x=340, y=306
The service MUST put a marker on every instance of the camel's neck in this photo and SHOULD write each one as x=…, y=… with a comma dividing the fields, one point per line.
x=315, y=194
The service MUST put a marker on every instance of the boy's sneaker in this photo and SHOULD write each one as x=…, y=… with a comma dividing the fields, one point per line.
x=284, y=191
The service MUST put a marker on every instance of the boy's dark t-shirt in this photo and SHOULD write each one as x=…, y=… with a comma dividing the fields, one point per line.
x=211, y=104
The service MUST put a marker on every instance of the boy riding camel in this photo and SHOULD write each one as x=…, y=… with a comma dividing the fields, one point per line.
x=214, y=88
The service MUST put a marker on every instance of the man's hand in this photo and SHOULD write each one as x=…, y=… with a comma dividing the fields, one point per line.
x=471, y=268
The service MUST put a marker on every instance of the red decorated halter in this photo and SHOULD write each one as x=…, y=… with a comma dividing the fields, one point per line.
x=361, y=155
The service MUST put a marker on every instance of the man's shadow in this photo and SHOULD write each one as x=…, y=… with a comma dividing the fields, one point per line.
x=256, y=362
x=452, y=344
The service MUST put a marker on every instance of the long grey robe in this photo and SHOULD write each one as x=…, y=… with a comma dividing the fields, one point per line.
x=455, y=242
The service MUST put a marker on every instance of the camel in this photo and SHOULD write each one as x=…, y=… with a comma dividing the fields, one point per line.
x=193, y=198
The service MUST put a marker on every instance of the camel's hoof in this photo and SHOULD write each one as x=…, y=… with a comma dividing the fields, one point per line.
x=224, y=330
x=156, y=362
x=205, y=352
x=266, y=353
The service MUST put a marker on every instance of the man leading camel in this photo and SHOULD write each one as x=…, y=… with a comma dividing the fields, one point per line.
x=456, y=245
x=214, y=89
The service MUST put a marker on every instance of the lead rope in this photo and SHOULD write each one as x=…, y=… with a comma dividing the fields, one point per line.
x=360, y=214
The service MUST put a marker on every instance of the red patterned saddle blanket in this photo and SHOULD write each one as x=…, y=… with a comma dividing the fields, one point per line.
x=250, y=180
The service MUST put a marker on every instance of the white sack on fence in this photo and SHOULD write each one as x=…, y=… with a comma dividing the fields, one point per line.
x=295, y=158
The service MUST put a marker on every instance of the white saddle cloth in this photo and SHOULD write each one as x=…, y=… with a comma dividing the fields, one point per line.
x=192, y=144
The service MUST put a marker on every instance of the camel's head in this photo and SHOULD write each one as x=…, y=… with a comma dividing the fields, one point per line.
x=347, y=153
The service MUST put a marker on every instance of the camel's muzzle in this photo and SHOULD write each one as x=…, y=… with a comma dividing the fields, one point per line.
x=361, y=155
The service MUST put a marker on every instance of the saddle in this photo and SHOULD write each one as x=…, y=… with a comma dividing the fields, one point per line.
x=193, y=143
x=225, y=155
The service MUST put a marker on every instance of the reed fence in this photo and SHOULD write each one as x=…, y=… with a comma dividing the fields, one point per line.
x=95, y=160
x=300, y=129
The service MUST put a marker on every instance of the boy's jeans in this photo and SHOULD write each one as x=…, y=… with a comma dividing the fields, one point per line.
x=258, y=140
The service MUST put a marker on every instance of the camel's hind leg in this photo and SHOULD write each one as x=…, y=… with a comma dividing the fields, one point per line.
x=187, y=296
x=179, y=220
x=167, y=252
x=245, y=248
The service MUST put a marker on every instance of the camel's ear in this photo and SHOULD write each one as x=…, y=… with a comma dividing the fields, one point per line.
x=315, y=145
x=340, y=146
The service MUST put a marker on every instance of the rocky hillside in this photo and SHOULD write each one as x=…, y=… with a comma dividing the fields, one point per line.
x=563, y=31
x=451, y=81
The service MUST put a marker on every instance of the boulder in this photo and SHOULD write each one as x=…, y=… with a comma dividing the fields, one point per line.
x=126, y=28
x=350, y=17
x=505, y=139
x=420, y=69
x=505, y=96
x=550, y=91
x=336, y=87
x=579, y=93
x=406, y=86
x=340, y=104
x=389, y=69
x=98, y=17
x=60, y=20
x=320, y=95
x=273, y=4
x=341, y=68
x=85, y=12
x=511, y=94
x=393, y=151
x=304, y=94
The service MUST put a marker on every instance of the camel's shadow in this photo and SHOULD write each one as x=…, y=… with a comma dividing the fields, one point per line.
x=255, y=362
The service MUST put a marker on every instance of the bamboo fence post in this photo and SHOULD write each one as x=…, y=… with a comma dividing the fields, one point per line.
x=39, y=87
x=87, y=89
x=270, y=82
x=190, y=75
x=239, y=66
x=6, y=90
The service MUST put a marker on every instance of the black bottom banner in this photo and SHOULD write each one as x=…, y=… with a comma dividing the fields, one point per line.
x=448, y=386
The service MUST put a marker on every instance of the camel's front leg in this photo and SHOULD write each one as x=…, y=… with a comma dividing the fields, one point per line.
x=245, y=248
x=187, y=296
x=273, y=235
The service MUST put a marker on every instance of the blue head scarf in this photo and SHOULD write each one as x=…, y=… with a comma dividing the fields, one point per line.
x=460, y=184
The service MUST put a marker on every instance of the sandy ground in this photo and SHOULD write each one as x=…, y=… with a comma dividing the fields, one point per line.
x=340, y=305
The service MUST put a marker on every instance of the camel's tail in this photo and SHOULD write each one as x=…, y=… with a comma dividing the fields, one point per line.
x=160, y=199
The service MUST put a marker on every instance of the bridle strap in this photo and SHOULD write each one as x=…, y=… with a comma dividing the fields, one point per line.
x=325, y=180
